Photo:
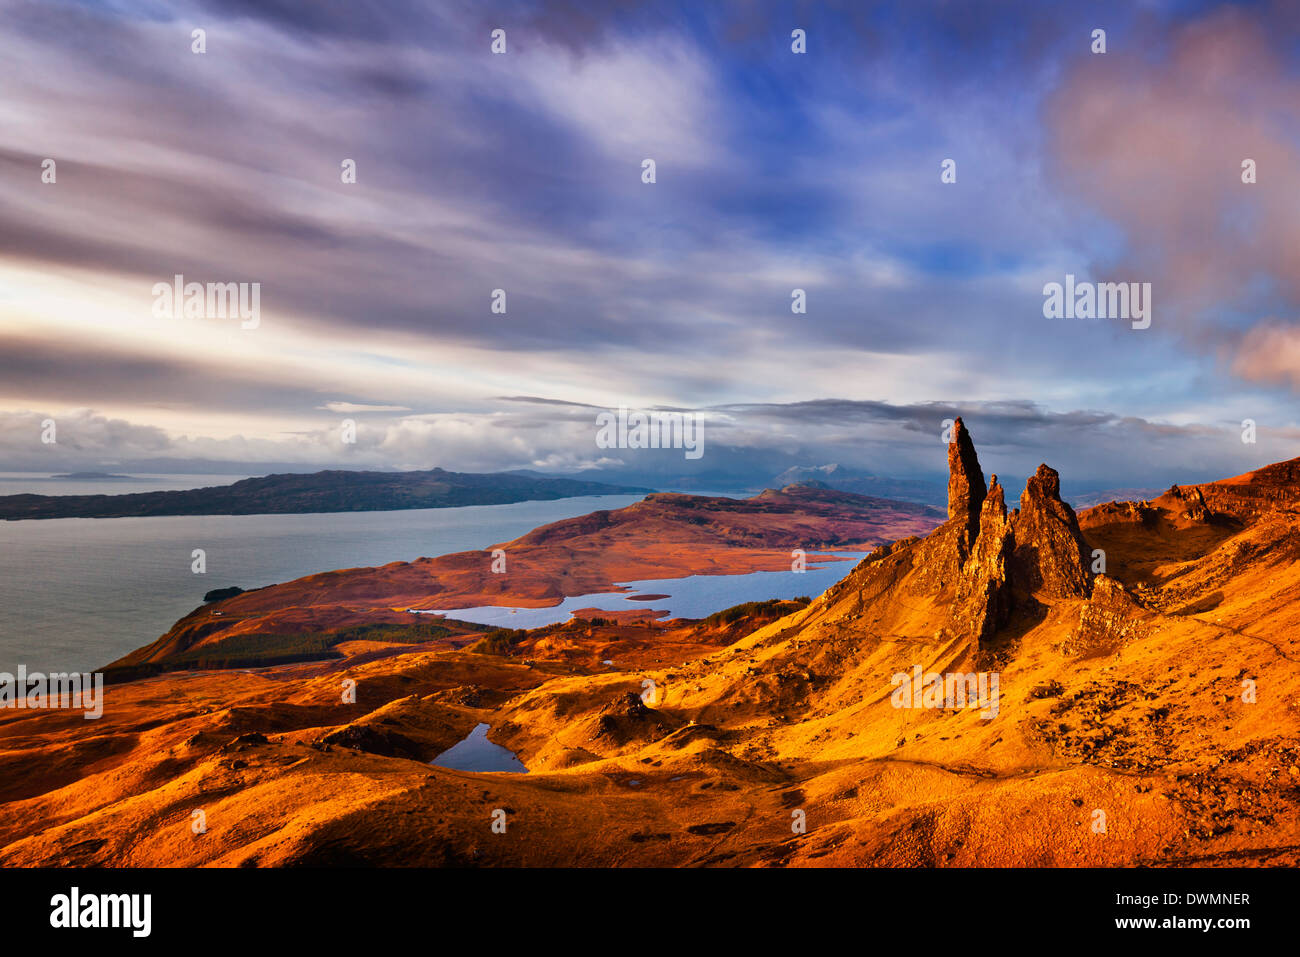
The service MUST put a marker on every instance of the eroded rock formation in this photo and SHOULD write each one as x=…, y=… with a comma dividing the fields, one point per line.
x=966, y=488
x=984, y=600
x=1051, y=556
x=1037, y=551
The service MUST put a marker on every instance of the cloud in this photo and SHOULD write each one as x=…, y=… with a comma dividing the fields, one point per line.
x=1156, y=139
x=1270, y=352
x=746, y=444
x=654, y=98
x=346, y=407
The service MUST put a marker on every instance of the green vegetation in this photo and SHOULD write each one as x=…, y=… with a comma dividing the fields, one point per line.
x=499, y=641
x=250, y=651
x=502, y=641
x=770, y=609
x=407, y=634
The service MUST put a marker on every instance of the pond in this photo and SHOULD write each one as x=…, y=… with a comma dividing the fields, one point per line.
x=477, y=753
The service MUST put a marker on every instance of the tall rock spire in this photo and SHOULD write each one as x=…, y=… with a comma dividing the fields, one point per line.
x=983, y=601
x=966, y=488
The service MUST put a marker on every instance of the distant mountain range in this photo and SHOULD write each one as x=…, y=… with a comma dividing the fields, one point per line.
x=744, y=472
x=328, y=491
x=1089, y=499
x=847, y=479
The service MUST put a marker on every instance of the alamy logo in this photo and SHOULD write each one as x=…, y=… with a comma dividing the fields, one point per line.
x=953, y=690
x=74, y=909
x=1107, y=300
x=61, y=690
x=651, y=430
x=214, y=300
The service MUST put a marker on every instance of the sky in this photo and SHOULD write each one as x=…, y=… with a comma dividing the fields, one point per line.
x=774, y=171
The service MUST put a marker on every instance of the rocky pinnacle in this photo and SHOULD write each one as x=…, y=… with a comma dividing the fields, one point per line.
x=966, y=488
x=1051, y=555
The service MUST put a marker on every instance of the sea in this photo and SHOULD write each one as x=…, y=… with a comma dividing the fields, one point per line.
x=78, y=593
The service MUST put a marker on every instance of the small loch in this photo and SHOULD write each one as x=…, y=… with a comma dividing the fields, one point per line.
x=696, y=596
x=476, y=753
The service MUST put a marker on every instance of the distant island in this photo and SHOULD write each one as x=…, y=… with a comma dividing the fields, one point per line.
x=90, y=475
x=329, y=491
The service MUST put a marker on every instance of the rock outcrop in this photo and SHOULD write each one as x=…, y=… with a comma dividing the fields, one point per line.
x=1188, y=505
x=1051, y=556
x=1110, y=620
x=627, y=718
